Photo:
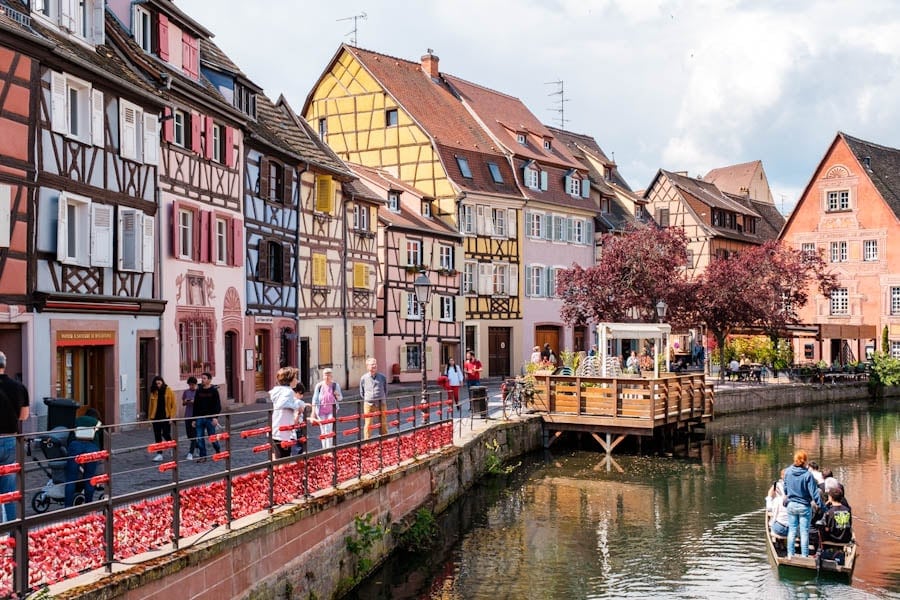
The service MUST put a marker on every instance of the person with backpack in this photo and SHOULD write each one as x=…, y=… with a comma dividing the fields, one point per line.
x=455, y=379
x=325, y=405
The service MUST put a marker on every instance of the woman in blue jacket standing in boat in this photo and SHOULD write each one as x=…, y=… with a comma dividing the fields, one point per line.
x=800, y=492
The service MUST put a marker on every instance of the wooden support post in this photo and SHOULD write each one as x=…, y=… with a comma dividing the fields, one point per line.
x=549, y=438
x=609, y=444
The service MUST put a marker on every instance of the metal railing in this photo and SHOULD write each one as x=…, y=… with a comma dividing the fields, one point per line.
x=143, y=505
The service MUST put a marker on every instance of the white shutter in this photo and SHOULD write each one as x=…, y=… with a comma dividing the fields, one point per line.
x=485, y=279
x=5, y=215
x=151, y=139
x=435, y=261
x=97, y=113
x=459, y=257
x=512, y=280
x=67, y=11
x=148, y=252
x=544, y=180
x=512, y=227
x=480, y=226
x=128, y=115
x=401, y=251
x=62, y=228
x=101, y=235
x=127, y=242
x=459, y=313
x=402, y=360
x=58, y=111
x=98, y=31
x=529, y=288
x=585, y=188
x=434, y=307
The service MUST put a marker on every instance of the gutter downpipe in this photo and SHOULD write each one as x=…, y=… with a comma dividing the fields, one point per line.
x=345, y=198
x=299, y=212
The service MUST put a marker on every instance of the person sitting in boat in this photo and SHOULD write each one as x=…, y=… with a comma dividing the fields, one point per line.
x=802, y=492
x=776, y=508
x=835, y=526
x=830, y=484
x=816, y=472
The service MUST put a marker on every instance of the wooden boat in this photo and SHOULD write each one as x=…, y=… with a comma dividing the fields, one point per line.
x=831, y=558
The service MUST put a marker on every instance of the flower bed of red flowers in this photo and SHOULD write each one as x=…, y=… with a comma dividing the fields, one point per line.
x=68, y=548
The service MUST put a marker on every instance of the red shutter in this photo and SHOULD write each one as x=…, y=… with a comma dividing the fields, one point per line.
x=164, y=37
x=196, y=131
x=204, y=236
x=264, y=166
x=237, y=245
x=190, y=56
x=174, y=230
x=168, y=124
x=208, y=138
x=229, y=147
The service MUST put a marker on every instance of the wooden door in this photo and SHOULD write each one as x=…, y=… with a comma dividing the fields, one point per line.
x=262, y=358
x=96, y=380
x=547, y=334
x=231, y=355
x=498, y=352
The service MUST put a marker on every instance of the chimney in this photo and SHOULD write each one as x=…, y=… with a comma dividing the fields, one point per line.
x=430, y=64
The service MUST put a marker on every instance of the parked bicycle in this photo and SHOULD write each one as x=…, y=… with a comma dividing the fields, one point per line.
x=515, y=394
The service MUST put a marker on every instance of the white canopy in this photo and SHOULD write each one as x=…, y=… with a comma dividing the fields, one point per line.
x=657, y=331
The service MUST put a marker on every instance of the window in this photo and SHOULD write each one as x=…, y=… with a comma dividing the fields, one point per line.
x=324, y=194
x=358, y=349
x=839, y=302
x=498, y=215
x=245, y=100
x=895, y=300
x=390, y=117
x=467, y=219
x=464, y=169
x=84, y=232
x=136, y=242
x=500, y=279
x=138, y=133
x=75, y=109
x=560, y=229
x=809, y=249
x=577, y=233
x=412, y=354
x=83, y=18
x=360, y=217
x=534, y=281
x=870, y=250
x=274, y=262
x=217, y=142
x=551, y=282
x=360, y=276
x=186, y=233
x=547, y=145
x=838, y=252
x=495, y=172
x=535, y=225
x=426, y=208
x=574, y=186
x=662, y=217
x=412, y=307
x=413, y=252
x=522, y=138
x=468, y=279
x=447, y=308
x=689, y=259
x=532, y=178
x=195, y=344
x=319, y=270
x=394, y=201
x=838, y=200
x=325, y=359
x=182, y=123
x=273, y=188
x=141, y=28
x=221, y=241
x=895, y=349
x=445, y=254
x=323, y=128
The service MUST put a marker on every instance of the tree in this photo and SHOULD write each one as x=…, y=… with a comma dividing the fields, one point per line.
x=635, y=271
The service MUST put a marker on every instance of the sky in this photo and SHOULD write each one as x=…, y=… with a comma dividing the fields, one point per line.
x=678, y=85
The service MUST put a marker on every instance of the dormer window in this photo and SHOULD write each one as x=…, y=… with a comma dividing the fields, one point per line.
x=522, y=139
x=391, y=118
x=495, y=172
x=82, y=18
x=464, y=169
x=394, y=201
x=141, y=28
x=548, y=145
x=426, y=208
x=245, y=100
x=323, y=128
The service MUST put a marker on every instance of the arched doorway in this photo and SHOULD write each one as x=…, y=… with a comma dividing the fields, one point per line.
x=231, y=370
x=261, y=375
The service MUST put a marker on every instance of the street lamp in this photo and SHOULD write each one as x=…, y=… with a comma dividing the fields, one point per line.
x=661, y=308
x=422, y=285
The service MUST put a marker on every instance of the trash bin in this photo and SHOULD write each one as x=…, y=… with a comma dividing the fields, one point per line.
x=478, y=400
x=60, y=412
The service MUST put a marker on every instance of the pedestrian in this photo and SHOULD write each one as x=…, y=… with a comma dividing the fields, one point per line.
x=472, y=367
x=455, y=380
x=207, y=406
x=546, y=351
x=13, y=410
x=190, y=425
x=536, y=355
x=326, y=402
x=305, y=411
x=373, y=391
x=161, y=409
x=85, y=438
x=286, y=412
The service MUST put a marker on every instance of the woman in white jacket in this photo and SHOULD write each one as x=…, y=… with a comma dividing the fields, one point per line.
x=286, y=411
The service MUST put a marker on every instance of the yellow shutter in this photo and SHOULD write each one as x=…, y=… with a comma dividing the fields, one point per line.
x=319, y=268
x=324, y=193
x=325, y=346
x=360, y=273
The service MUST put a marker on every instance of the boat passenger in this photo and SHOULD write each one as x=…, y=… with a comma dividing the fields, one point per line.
x=816, y=472
x=837, y=522
x=801, y=491
x=830, y=484
x=776, y=508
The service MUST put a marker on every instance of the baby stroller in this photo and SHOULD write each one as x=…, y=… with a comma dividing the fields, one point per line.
x=53, y=446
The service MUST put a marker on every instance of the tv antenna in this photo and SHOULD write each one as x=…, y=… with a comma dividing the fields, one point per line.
x=560, y=102
x=355, y=29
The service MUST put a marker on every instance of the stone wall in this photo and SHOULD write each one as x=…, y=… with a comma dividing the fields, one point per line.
x=300, y=551
x=764, y=397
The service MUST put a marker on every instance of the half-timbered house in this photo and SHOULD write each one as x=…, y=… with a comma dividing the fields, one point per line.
x=95, y=291
x=411, y=240
x=402, y=116
x=201, y=194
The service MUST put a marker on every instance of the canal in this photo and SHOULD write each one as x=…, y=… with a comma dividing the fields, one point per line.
x=568, y=524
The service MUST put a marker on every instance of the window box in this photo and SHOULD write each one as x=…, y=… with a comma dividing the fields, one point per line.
x=447, y=272
x=416, y=268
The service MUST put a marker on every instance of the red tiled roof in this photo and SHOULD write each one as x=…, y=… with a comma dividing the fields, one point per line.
x=734, y=179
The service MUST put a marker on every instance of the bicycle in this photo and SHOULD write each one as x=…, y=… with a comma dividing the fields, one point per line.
x=513, y=392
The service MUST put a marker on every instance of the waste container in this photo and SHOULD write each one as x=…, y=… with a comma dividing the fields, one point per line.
x=60, y=412
x=478, y=400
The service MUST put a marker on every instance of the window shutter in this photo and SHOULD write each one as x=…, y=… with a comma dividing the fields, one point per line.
x=229, y=146
x=568, y=184
x=196, y=131
x=589, y=231
x=198, y=232
x=168, y=124
x=67, y=11
x=101, y=235
x=529, y=216
x=545, y=282
x=262, y=259
x=480, y=227
x=402, y=361
x=148, y=253
x=512, y=280
x=547, y=227
x=585, y=188
x=127, y=130
x=544, y=180
x=485, y=279
x=324, y=193
x=434, y=307
x=459, y=310
x=459, y=256
x=206, y=223
x=58, y=119
x=62, y=229
x=97, y=113
x=287, y=178
x=163, y=39
x=286, y=257
x=5, y=215
x=237, y=243
x=570, y=229
x=208, y=138
x=174, y=232
x=512, y=227
x=529, y=284
x=127, y=243
x=151, y=139
x=264, y=178
x=98, y=31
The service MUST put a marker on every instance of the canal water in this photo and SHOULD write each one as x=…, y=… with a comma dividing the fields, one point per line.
x=569, y=524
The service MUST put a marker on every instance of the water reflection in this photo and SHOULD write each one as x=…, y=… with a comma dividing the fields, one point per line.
x=573, y=525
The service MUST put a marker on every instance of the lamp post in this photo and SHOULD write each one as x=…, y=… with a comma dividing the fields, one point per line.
x=422, y=285
x=661, y=308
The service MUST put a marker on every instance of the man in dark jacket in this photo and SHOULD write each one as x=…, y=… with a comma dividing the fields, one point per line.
x=13, y=410
x=207, y=405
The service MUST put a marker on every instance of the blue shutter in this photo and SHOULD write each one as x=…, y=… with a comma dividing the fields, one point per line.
x=528, y=288
x=544, y=180
x=585, y=188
